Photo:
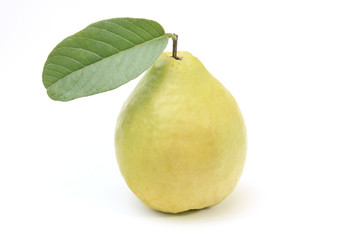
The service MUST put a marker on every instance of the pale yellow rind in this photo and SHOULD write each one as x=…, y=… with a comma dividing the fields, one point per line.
x=180, y=138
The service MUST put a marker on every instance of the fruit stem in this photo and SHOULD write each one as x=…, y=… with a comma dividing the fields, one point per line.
x=174, y=37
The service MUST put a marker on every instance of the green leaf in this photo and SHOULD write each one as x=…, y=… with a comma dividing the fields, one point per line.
x=102, y=57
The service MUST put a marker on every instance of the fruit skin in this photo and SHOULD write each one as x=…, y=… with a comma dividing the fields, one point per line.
x=180, y=138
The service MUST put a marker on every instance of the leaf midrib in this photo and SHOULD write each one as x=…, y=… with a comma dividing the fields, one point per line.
x=154, y=39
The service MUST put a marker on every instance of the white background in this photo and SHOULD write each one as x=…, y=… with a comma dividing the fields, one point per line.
x=293, y=67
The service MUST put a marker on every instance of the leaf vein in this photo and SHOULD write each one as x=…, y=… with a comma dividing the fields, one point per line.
x=126, y=29
x=81, y=49
x=152, y=27
x=113, y=34
x=53, y=70
x=56, y=64
x=50, y=75
x=96, y=40
x=139, y=27
x=67, y=57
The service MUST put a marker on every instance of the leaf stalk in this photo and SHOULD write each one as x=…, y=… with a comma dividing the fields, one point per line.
x=174, y=37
